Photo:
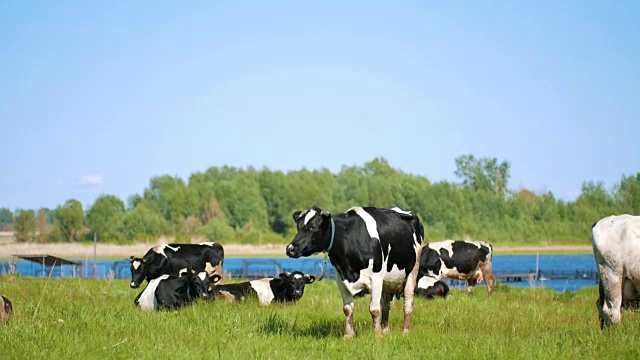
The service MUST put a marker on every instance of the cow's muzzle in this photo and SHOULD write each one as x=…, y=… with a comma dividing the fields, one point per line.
x=291, y=252
x=134, y=285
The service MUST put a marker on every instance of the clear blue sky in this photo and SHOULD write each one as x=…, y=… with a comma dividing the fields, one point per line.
x=99, y=96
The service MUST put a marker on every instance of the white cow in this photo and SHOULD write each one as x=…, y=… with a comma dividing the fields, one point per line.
x=616, y=247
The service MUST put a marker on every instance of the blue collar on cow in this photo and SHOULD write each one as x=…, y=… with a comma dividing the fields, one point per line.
x=333, y=233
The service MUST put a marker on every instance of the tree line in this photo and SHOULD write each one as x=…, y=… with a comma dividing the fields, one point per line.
x=234, y=205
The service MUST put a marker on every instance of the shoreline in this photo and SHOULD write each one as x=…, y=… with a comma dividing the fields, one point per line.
x=83, y=250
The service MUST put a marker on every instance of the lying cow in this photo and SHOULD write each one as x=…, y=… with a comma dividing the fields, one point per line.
x=287, y=288
x=616, y=247
x=172, y=292
x=455, y=259
x=171, y=259
x=371, y=249
x=6, y=309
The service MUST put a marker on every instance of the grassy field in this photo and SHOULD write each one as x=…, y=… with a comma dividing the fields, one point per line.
x=96, y=319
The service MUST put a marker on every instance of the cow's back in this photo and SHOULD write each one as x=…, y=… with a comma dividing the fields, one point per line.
x=173, y=259
x=616, y=243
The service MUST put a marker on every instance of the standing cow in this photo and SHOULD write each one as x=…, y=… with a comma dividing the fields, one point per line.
x=173, y=259
x=287, y=288
x=455, y=259
x=616, y=247
x=371, y=249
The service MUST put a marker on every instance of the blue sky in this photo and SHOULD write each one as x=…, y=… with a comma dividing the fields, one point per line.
x=99, y=96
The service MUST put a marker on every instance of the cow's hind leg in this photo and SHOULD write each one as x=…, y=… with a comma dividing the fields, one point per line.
x=409, y=290
x=610, y=299
x=386, y=306
x=348, y=307
x=487, y=274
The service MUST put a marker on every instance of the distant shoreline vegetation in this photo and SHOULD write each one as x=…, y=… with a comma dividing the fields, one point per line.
x=249, y=206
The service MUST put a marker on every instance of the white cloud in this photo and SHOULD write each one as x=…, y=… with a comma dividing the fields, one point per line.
x=92, y=179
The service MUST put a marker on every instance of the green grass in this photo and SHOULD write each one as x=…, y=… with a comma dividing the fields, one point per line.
x=96, y=319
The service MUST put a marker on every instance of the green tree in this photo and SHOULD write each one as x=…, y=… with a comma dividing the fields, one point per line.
x=273, y=189
x=105, y=216
x=70, y=220
x=483, y=174
x=175, y=201
x=627, y=194
x=6, y=217
x=203, y=186
x=143, y=223
x=25, y=225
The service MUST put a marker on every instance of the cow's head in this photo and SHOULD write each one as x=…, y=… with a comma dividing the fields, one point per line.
x=201, y=283
x=138, y=271
x=429, y=288
x=294, y=283
x=314, y=232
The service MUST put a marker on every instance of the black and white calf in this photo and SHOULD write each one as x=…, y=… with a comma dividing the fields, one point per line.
x=287, y=288
x=172, y=292
x=6, y=309
x=371, y=249
x=172, y=259
x=455, y=259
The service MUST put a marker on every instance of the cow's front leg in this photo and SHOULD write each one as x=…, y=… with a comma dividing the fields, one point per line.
x=470, y=284
x=348, y=307
x=376, y=299
x=386, y=306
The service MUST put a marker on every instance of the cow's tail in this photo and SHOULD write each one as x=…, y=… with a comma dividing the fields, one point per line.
x=418, y=228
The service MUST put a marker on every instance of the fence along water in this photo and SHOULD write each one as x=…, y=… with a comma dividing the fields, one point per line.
x=558, y=271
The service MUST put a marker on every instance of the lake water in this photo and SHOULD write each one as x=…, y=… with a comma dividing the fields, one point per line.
x=560, y=272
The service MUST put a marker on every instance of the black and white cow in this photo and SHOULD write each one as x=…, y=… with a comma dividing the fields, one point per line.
x=371, y=249
x=172, y=259
x=455, y=259
x=172, y=292
x=287, y=288
x=616, y=247
x=6, y=309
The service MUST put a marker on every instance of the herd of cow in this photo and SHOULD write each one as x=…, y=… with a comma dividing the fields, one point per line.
x=374, y=251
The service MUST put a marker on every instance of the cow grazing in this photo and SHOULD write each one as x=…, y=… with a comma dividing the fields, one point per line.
x=172, y=259
x=172, y=292
x=6, y=309
x=438, y=289
x=371, y=249
x=616, y=247
x=287, y=288
x=455, y=259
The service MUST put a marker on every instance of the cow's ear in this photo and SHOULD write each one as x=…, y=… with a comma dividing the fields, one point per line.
x=132, y=258
x=309, y=278
x=215, y=278
x=284, y=275
x=296, y=215
x=325, y=213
